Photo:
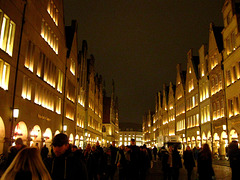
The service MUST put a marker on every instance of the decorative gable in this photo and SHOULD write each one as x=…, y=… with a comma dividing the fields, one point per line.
x=191, y=77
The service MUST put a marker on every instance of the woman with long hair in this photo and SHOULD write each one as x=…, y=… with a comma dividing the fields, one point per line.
x=27, y=165
x=205, y=169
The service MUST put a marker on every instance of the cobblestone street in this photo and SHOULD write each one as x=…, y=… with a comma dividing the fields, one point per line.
x=221, y=169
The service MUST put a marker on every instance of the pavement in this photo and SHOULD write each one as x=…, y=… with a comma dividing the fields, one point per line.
x=221, y=168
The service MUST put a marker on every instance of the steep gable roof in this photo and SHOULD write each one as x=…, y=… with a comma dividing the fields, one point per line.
x=217, y=30
x=69, y=33
x=195, y=62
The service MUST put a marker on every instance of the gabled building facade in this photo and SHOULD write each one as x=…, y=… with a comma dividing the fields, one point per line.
x=180, y=103
x=231, y=64
x=204, y=97
x=192, y=100
x=217, y=92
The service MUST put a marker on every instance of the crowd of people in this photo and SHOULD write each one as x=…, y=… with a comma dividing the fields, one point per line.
x=67, y=162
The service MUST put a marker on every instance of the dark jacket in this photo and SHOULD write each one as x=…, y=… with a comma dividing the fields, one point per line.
x=176, y=159
x=188, y=158
x=205, y=168
x=234, y=158
x=66, y=167
x=165, y=155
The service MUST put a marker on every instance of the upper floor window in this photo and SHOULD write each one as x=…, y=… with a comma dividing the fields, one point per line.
x=46, y=70
x=231, y=43
x=229, y=79
x=29, y=58
x=4, y=74
x=27, y=88
x=48, y=35
x=60, y=81
x=53, y=11
x=7, y=32
x=72, y=67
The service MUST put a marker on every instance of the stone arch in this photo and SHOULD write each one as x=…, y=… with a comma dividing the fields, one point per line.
x=216, y=143
x=233, y=135
x=21, y=131
x=47, y=136
x=36, y=136
x=56, y=132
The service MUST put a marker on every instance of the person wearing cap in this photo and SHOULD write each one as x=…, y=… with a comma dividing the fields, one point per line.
x=65, y=165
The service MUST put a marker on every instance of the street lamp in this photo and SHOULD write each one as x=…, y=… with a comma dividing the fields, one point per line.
x=64, y=128
x=15, y=113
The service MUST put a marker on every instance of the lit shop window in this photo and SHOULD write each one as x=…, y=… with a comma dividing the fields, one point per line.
x=72, y=67
x=7, y=33
x=4, y=74
x=53, y=11
x=26, y=88
x=48, y=35
x=29, y=58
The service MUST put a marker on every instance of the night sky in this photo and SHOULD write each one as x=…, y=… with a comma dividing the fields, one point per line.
x=138, y=43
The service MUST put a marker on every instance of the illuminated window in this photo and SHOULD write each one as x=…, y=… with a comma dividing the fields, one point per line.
x=70, y=112
x=46, y=70
x=234, y=73
x=53, y=11
x=229, y=79
x=58, y=105
x=72, y=67
x=26, y=88
x=4, y=74
x=44, y=98
x=230, y=108
x=70, y=91
x=48, y=35
x=228, y=45
x=60, y=81
x=29, y=58
x=233, y=40
x=7, y=33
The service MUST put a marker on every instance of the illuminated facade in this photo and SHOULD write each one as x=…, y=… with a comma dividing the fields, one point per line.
x=94, y=105
x=110, y=127
x=171, y=110
x=192, y=99
x=33, y=61
x=148, y=133
x=128, y=131
x=231, y=63
x=164, y=123
x=43, y=75
x=216, y=83
x=180, y=103
x=204, y=103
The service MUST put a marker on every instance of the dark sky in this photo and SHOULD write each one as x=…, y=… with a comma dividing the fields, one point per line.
x=138, y=43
